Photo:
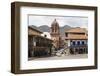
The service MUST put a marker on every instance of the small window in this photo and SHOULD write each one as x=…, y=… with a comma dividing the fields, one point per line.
x=83, y=43
x=78, y=43
x=52, y=29
x=73, y=42
x=66, y=34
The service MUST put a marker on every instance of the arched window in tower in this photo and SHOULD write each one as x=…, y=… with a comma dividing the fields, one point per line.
x=52, y=29
x=55, y=28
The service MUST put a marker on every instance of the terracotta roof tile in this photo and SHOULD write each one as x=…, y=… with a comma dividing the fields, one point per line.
x=77, y=33
x=76, y=30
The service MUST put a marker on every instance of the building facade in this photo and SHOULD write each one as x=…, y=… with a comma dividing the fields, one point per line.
x=77, y=40
x=38, y=45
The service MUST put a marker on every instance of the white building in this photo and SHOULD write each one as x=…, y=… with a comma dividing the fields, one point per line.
x=46, y=34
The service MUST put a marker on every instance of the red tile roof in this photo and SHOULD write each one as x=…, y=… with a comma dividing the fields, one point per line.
x=77, y=33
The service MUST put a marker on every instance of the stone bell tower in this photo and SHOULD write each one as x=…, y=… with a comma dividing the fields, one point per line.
x=55, y=34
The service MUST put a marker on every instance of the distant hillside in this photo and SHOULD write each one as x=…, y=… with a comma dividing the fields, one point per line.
x=33, y=26
x=62, y=29
x=45, y=28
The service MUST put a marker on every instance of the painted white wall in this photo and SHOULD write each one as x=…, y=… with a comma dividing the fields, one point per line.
x=47, y=34
x=5, y=35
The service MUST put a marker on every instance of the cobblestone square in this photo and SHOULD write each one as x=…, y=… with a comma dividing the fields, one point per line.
x=77, y=56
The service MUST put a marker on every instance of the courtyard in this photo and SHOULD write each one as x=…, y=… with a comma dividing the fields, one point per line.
x=75, y=56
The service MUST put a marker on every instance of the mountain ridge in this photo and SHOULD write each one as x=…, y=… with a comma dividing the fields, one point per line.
x=45, y=28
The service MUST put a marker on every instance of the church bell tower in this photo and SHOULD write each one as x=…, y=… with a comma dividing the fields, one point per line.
x=55, y=34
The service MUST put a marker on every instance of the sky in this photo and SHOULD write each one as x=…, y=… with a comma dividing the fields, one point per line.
x=72, y=21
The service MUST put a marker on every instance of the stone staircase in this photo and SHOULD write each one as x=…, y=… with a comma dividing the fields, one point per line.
x=63, y=52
